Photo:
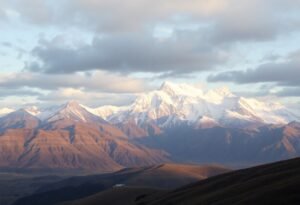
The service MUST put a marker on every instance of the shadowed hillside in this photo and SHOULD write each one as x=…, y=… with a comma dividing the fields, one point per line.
x=276, y=183
x=166, y=176
x=117, y=196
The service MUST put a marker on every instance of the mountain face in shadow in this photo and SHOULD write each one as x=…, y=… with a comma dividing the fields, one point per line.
x=231, y=146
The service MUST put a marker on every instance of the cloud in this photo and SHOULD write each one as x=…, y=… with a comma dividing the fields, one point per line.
x=37, y=12
x=270, y=57
x=126, y=54
x=2, y=14
x=94, y=88
x=232, y=19
x=100, y=81
x=124, y=33
x=91, y=98
x=249, y=21
x=2, y=11
x=110, y=15
x=18, y=92
x=289, y=92
x=6, y=44
x=284, y=73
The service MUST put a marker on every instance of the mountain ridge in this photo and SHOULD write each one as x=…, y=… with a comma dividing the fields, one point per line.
x=173, y=104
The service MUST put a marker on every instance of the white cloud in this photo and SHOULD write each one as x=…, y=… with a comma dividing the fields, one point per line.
x=90, y=98
x=98, y=80
x=135, y=15
x=127, y=53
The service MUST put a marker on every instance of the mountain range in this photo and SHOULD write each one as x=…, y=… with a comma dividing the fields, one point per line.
x=173, y=104
x=177, y=122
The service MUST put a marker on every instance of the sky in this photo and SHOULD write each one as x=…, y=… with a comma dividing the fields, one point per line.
x=108, y=51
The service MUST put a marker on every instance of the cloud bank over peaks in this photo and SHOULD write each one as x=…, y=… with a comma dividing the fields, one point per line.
x=283, y=73
x=127, y=54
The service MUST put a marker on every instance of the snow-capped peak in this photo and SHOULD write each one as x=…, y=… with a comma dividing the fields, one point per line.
x=224, y=91
x=104, y=111
x=217, y=96
x=174, y=103
x=72, y=110
x=5, y=111
x=33, y=110
x=180, y=89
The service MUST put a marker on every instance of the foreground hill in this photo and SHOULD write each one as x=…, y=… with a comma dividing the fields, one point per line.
x=117, y=196
x=166, y=176
x=276, y=183
x=16, y=185
x=169, y=176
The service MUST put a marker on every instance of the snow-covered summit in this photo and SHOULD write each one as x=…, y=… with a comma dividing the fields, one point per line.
x=33, y=110
x=104, y=111
x=183, y=89
x=72, y=110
